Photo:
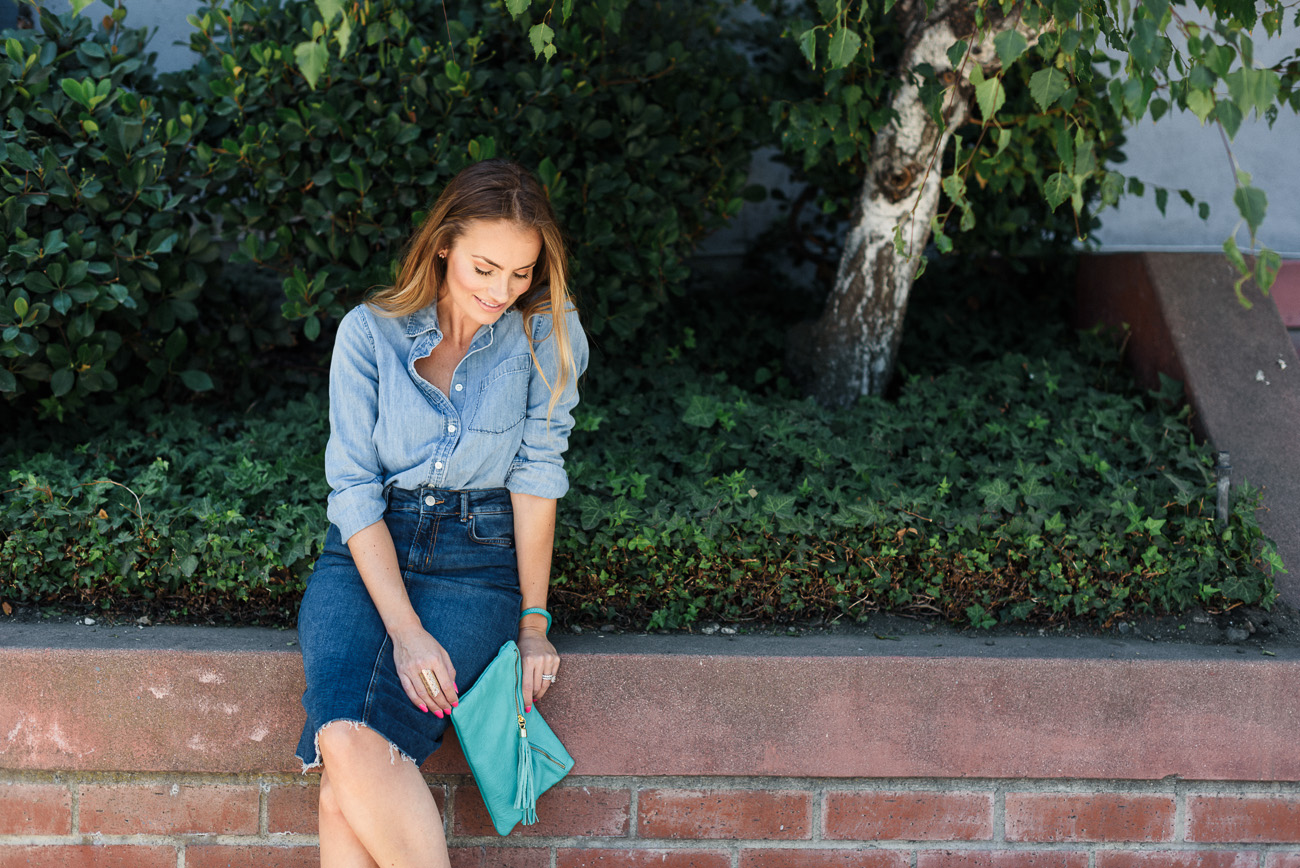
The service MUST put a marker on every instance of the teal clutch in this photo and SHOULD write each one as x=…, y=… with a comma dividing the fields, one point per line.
x=513, y=754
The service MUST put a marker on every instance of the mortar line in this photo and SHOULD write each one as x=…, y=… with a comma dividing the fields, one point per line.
x=75, y=801
x=633, y=814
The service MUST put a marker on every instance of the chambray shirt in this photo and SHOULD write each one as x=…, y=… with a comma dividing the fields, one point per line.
x=390, y=426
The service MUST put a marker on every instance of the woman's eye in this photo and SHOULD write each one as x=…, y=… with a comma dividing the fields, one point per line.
x=482, y=272
x=521, y=277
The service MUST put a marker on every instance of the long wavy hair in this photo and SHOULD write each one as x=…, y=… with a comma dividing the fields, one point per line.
x=490, y=190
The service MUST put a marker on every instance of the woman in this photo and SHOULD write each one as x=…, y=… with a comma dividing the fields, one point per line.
x=451, y=395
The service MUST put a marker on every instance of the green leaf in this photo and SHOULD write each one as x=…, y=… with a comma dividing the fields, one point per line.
x=329, y=9
x=1004, y=138
x=990, y=95
x=1252, y=204
x=701, y=412
x=1162, y=199
x=517, y=7
x=78, y=5
x=1229, y=116
x=311, y=58
x=1046, y=87
x=196, y=380
x=1112, y=187
x=1267, y=265
x=19, y=157
x=1010, y=44
x=1057, y=189
x=540, y=36
x=997, y=494
x=76, y=91
x=1201, y=103
x=956, y=52
x=1253, y=89
x=808, y=45
x=61, y=382
x=1233, y=253
x=8, y=383
x=844, y=46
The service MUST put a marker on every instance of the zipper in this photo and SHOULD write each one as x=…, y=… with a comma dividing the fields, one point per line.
x=547, y=755
x=519, y=714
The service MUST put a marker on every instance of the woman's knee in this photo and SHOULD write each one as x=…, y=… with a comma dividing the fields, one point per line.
x=343, y=743
x=329, y=800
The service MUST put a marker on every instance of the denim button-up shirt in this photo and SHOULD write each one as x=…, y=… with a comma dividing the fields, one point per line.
x=390, y=426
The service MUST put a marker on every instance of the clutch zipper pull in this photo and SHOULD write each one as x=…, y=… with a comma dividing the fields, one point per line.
x=525, y=788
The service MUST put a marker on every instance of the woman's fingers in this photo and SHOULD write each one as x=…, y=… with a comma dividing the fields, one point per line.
x=536, y=667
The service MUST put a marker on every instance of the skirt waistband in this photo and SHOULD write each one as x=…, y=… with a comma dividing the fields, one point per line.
x=446, y=501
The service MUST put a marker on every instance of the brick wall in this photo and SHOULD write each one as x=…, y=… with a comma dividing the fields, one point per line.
x=183, y=759
x=269, y=821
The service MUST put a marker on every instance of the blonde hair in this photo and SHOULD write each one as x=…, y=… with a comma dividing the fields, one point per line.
x=490, y=190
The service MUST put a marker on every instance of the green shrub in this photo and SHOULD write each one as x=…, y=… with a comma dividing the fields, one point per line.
x=640, y=137
x=101, y=265
x=190, y=517
x=1036, y=485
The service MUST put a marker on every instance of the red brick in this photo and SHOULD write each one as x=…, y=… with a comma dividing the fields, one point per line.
x=1283, y=860
x=1176, y=859
x=588, y=812
x=642, y=859
x=856, y=857
x=745, y=814
x=163, y=809
x=87, y=856
x=293, y=808
x=35, y=809
x=1089, y=817
x=910, y=816
x=1230, y=819
x=499, y=857
x=1001, y=859
x=223, y=856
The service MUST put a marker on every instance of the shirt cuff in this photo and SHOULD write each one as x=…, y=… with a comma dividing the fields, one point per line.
x=538, y=479
x=356, y=507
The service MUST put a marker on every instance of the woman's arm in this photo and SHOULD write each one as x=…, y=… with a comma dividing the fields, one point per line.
x=413, y=648
x=534, y=542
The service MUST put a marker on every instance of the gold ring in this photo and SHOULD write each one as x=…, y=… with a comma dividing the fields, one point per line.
x=430, y=681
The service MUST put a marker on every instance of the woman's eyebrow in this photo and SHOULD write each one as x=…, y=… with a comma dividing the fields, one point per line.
x=494, y=265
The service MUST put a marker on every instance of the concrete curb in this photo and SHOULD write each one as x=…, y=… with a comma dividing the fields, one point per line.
x=835, y=715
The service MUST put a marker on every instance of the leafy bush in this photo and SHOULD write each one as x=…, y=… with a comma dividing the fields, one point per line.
x=1036, y=485
x=101, y=267
x=640, y=137
x=191, y=517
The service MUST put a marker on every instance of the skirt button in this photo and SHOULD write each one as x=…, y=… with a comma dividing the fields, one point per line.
x=429, y=500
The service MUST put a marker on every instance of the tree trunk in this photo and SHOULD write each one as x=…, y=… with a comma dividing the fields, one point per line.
x=856, y=340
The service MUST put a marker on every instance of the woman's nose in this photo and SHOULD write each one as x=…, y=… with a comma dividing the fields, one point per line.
x=500, y=289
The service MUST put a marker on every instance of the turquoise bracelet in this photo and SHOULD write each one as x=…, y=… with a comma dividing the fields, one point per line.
x=536, y=610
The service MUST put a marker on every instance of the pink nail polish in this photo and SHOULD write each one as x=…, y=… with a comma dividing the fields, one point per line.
x=455, y=705
x=424, y=709
x=437, y=713
x=528, y=708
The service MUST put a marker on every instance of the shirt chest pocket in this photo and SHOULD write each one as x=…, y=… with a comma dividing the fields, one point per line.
x=502, y=400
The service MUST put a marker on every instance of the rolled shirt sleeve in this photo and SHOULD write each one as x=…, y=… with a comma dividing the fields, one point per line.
x=538, y=466
x=352, y=464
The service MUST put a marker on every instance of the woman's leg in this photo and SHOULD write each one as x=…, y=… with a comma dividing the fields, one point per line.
x=339, y=847
x=375, y=807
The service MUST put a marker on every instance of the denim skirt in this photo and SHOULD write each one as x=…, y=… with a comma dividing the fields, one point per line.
x=457, y=553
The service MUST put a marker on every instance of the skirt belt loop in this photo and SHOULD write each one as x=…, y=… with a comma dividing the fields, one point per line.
x=464, y=506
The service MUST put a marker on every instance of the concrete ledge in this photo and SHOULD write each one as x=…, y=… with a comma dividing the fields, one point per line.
x=1238, y=366
x=835, y=707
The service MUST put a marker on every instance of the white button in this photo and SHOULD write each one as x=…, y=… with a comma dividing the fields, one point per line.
x=451, y=429
x=460, y=387
x=429, y=500
x=437, y=465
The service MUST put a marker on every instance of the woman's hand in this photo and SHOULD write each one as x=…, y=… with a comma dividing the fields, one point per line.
x=539, y=658
x=415, y=650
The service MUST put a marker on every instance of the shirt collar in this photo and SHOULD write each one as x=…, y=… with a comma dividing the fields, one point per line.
x=426, y=320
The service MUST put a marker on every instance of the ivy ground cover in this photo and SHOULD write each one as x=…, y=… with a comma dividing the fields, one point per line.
x=1017, y=474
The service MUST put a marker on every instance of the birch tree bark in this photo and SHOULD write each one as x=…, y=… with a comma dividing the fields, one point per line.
x=856, y=339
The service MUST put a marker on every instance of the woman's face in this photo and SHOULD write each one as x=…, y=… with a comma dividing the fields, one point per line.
x=489, y=265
